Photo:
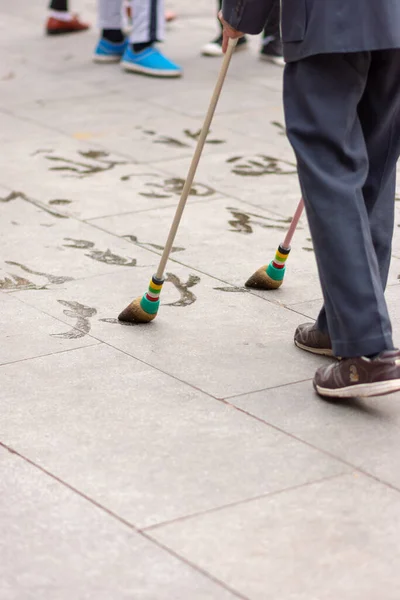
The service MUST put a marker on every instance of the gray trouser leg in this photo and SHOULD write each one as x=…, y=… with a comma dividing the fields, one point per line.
x=109, y=14
x=148, y=21
x=343, y=122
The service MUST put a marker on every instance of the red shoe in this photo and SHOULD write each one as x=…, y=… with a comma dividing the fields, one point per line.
x=57, y=26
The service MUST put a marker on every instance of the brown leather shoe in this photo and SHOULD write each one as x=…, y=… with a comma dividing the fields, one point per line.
x=58, y=27
x=309, y=338
x=360, y=377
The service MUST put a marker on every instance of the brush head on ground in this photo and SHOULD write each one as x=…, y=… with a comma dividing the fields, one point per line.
x=261, y=281
x=134, y=313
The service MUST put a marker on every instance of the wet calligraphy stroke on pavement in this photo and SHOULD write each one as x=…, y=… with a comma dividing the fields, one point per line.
x=310, y=247
x=176, y=143
x=107, y=257
x=278, y=125
x=174, y=186
x=244, y=222
x=21, y=283
x=186, y=296
x=259, y=165
x=20, y=195
x=233, y=290
x=81, y=314
x=134, y=239
x=78, y=168
x=194, y=135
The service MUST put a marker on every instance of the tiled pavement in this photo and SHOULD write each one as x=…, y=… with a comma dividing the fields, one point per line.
x=187, y=459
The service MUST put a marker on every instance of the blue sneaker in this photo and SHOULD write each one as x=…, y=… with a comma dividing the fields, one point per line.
x=108, y=52
x=149, y=62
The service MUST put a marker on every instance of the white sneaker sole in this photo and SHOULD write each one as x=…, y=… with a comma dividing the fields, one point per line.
x=364, y=390
x=217, y=51
x=151, y=72
x=274, y=60
x=106, y=59
x=319, y=351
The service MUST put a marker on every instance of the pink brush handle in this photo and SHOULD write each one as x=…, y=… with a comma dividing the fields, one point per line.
x=293, y=225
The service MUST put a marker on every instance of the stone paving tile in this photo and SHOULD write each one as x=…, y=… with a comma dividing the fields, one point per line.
x=364, y=432
x=136, y=129
x=197, y=98
x=90, y=181
x=267, y=123
x=224, y=343
x=55, y=544
x=325, y=541
x=148, y=447
x=43, y=251
x=27, y=55
x=230, y=240
x=140, y=441
x=27, y=332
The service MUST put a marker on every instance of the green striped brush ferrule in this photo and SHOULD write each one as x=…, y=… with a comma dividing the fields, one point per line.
x=149, y=306
x=274, y=273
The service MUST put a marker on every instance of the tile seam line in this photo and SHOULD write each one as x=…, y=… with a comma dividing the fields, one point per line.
x=243, y=502
x=266, y=389
x=124, y=213
x=219, y=197
x=13, y=362
x=122, y=520
x=259, y=87
x=321, y=450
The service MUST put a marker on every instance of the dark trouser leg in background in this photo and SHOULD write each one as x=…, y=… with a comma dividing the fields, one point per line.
x=346, y=133
x=60, y=5
x=272, y=28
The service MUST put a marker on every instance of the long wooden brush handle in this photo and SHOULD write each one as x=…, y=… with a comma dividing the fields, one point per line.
x=293, y=225
x=195, y=161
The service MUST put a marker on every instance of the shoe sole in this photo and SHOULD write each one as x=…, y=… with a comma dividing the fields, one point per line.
x=319, y=351
x=106, y=59
x=150, y=72
x=64, y=31
x=363, y=390
x=216, y=54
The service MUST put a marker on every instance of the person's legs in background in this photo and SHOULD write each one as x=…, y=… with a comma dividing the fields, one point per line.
x=112, y=44
x=214, y=48
x=148, y=27
x=271, y=50
x=272, y=44
x=61, y=21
